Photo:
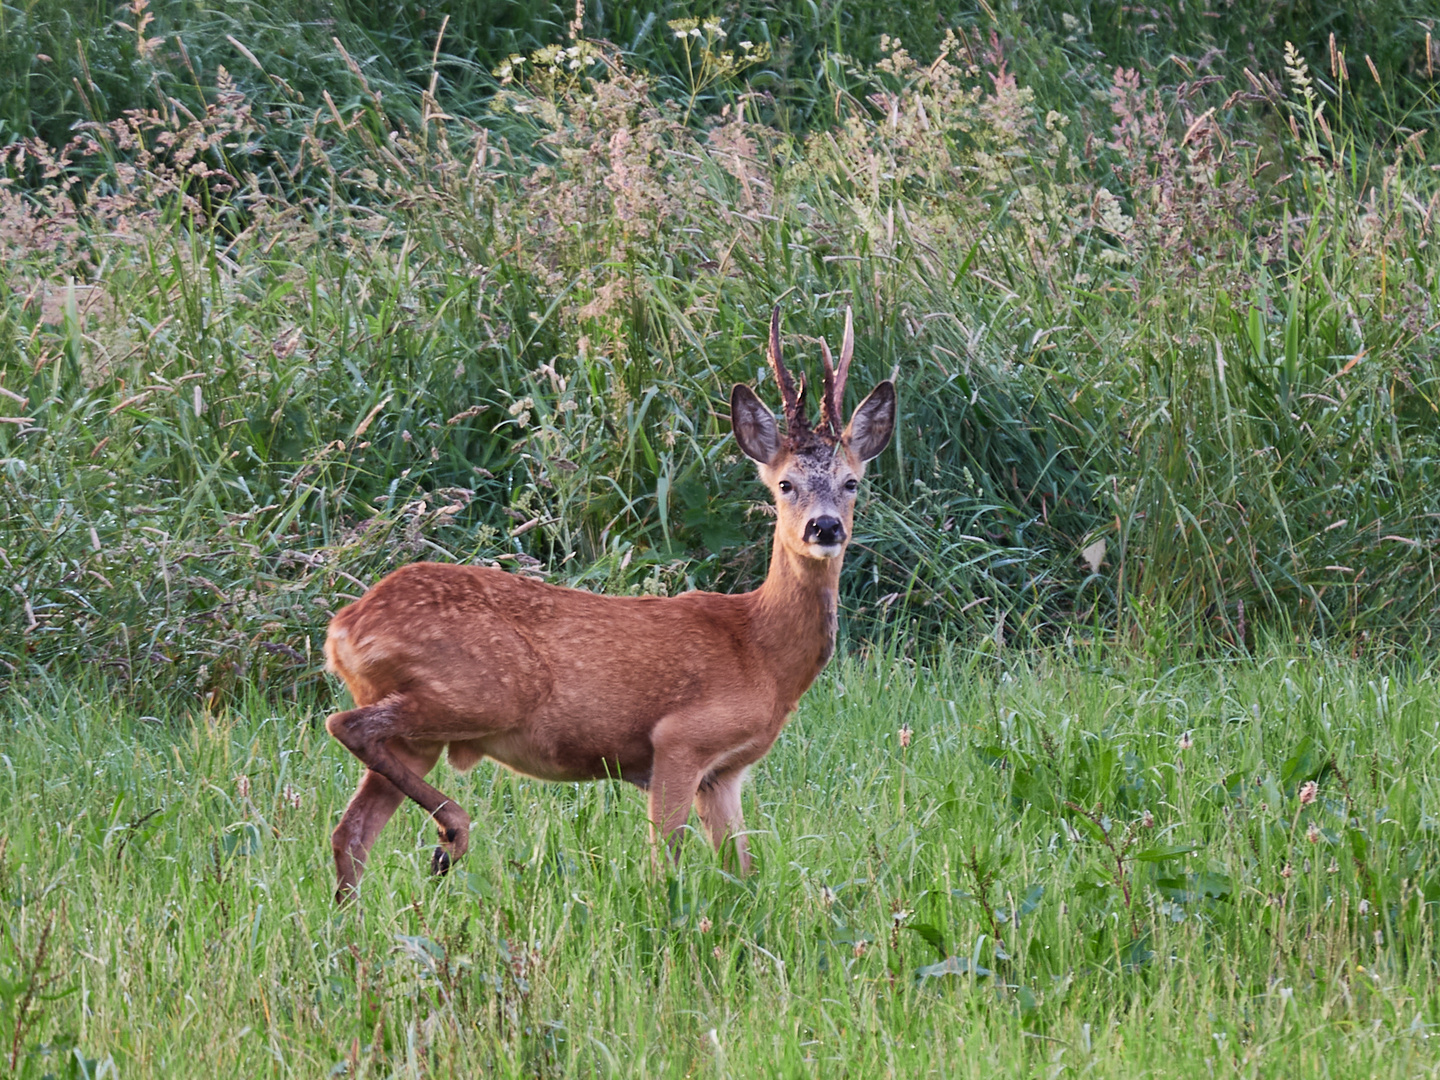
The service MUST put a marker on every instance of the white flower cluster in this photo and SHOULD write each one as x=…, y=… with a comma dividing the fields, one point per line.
x=694, y=28
x=551, y=59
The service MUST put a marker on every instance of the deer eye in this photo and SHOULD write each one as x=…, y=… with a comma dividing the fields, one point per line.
x=786, y=487
x=851, y=484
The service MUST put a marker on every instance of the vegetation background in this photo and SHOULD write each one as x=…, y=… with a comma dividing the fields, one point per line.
x=297, y=295
x=300, y=292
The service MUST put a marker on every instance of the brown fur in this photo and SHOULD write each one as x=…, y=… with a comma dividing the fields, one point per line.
x=678, y=695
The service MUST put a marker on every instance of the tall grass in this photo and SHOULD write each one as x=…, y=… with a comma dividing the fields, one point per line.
x=1166, y=350
x=61, y=62
x=1118, y=869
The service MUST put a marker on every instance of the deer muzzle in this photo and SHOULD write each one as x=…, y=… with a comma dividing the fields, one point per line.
x=826, y=531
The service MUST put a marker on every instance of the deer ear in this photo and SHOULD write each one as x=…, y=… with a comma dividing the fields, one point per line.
x=873, y=423
x=754, y=425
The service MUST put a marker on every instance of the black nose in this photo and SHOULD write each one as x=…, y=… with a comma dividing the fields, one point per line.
x=824, y=530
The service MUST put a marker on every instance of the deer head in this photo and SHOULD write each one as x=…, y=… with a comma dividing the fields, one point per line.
x=813, y=472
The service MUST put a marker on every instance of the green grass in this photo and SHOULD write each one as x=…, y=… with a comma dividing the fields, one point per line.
x=68, y=60
x=160, y=916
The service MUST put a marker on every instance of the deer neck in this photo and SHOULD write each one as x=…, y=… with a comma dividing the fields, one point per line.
x=795, y=617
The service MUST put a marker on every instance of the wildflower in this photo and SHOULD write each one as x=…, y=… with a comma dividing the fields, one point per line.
x=705, y=924
x=1307, y=792
x=1186, y=742
x=242, y=786
x=1147, y=820
x=718, y=953
x=1313, y=833
x=291, y=796
x=1333, y=868
x=859, y=949
x=1288, y=871
x=904, y=736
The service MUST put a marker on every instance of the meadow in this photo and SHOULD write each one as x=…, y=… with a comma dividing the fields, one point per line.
x=1212, y=869
x=296, y=294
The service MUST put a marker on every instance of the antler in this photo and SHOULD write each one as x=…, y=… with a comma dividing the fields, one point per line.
x=834, y=403
x=793, y=398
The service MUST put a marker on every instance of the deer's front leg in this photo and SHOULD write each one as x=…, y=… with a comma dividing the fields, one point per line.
x=673, y=780
x=718, y=804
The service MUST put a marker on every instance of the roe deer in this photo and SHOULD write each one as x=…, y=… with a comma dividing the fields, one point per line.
x=679, y=695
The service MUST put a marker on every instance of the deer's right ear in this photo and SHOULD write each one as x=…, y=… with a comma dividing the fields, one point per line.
x=754, y=426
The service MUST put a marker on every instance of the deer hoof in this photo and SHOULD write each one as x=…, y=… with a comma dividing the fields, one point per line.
x=440, y=862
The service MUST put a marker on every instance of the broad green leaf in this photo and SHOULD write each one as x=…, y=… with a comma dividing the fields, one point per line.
x=952, y=965
x=931, y=935
x=1161, y=854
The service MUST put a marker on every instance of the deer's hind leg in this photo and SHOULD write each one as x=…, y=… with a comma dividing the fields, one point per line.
x=372, y=805
x=372, y=733
x=718, y=803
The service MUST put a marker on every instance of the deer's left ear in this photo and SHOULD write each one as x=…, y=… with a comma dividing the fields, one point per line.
x=873, y=423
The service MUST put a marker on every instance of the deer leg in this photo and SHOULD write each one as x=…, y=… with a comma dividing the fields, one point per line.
x=372, y=805
x=718, y=803
x=672, y=789
x=367, y=732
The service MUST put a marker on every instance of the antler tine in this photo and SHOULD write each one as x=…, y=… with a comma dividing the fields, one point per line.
x=793, y=398
x=829, y=406
x=835, y=396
